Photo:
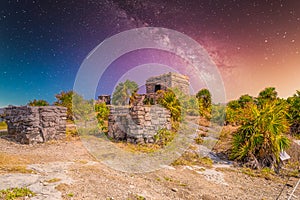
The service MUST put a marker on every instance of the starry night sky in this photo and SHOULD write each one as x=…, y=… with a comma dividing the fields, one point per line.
x=255, y=44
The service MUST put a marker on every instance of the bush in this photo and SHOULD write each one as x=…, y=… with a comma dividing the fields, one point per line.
x=261, y=138
x=102, y=115
x=38, y=103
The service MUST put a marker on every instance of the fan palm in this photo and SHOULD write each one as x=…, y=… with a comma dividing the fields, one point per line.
x=262, y=137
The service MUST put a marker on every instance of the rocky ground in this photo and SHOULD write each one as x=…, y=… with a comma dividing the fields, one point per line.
x=65, y=170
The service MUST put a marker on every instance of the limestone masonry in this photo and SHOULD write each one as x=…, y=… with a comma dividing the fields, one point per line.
x=36, y=124
x=137, y=124
x=168, y=80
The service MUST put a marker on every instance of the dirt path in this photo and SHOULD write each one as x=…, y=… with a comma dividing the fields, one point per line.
x=65, y=170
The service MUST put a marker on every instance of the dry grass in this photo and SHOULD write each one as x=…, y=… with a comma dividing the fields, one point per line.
x=53, y=180
x=138, y=148
x=190, y=158
x=10, y=163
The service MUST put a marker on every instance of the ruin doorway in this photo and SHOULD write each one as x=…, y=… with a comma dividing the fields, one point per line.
x=157, y=87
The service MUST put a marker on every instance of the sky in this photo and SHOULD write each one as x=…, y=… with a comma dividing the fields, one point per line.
x=255, y=44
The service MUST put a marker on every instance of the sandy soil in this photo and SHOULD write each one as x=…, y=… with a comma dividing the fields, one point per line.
x=80, y=176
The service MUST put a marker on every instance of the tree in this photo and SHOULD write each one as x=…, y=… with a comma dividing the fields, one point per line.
x=65, y=99
x=262, y=136
x=83, y=110
x=268, y=94
x=205, y=103
x=123, y=92
x=102, y=114
x=40, y=102
x=294, y=113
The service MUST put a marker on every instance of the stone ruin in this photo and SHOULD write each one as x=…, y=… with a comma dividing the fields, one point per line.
x=35, y=124
x=137, y=124
x=168, y=80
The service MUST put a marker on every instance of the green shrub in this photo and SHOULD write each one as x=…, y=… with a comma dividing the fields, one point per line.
x=262, y=136
x=14, y=193
x=38, y=103
x=170, y=101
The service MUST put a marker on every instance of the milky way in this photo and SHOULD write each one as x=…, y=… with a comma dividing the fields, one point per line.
x=255, y=44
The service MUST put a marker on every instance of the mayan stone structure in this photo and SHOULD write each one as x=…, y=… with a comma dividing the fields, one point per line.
x=168, y=80
x=35, y=124
x=137, y=124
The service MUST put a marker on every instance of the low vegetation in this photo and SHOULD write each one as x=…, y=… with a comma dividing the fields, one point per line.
x=102, y=112
x=13, y=164
x=262, y=137
x=3, y=126
x=190, y=158
x=16, y=193
x=39, y=102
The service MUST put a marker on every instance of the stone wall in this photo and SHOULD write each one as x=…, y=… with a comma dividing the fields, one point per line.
x=36, y=124
x=137, y=124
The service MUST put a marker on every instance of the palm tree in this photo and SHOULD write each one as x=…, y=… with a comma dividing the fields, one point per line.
x=262, y=137
x=268, y=94
x=171, y=102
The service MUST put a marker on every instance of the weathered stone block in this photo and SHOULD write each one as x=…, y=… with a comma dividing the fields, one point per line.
x=35, y=124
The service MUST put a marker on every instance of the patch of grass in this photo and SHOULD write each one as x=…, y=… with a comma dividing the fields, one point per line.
x=248, y=171
x=138, y=148
x=3, y=126
x=14, y=193
x=177, y=182
x=190, y=158
x=16, y=169
x=62, y=187
x=134, y=197
x=71, y=132
x=70, y=195
x=168, y=179
x=53, y=180
x=292, y=169
x=266, y=173
x=139, y=197
x=13, y=164
x=207, y=162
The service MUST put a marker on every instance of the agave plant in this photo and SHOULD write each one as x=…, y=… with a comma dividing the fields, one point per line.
x=262, y=137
